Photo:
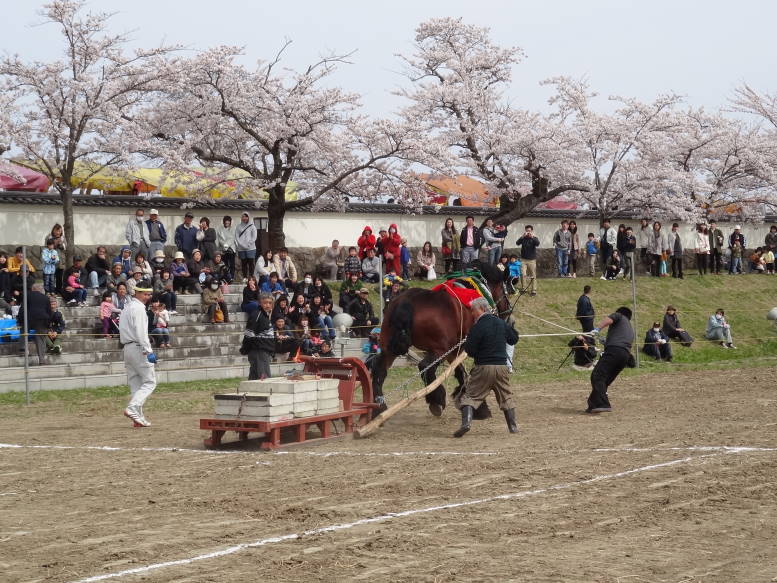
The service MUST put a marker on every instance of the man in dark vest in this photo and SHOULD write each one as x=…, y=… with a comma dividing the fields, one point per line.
x=616, y=356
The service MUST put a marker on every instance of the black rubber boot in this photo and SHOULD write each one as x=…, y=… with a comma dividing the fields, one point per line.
x=466, y=421
x=512, y=425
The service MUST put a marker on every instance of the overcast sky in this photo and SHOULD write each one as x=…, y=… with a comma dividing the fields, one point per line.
x=701, y=50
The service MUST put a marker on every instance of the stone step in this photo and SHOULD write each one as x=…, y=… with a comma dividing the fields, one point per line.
x=163, y=376
x=185, y=328
x=117, y=355
x=84, y=317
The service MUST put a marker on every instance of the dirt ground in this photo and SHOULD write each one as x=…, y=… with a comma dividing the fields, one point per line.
x=576, y=513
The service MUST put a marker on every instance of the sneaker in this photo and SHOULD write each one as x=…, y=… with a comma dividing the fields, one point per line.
x=603, y=277
x=731, y=345
x=72, y=304
x=95, y=292
x=173, y=313
x=532, y=294
x=723, y=345
x=137, y=420
x=582, y=368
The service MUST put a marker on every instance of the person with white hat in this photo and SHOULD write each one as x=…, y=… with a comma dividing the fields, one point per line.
x=139, y=357
x=157, y=235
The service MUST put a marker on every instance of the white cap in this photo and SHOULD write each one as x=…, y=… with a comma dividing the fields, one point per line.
x=153, y=212
x=737, y=227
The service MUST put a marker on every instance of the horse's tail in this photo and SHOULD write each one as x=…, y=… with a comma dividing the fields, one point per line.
x=401, y=321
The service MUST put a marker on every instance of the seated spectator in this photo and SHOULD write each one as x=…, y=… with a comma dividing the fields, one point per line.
x=672, y=329
x=308, y=338
x=137, y=277
x=363, y=315
x=388, y=283
x=5, y=307
x=74, y=293
x=212, y=300
x=274, y=287
x=158, y=263
x=57, y=322
x=583, y=352
x=119, y=298
x=109, y=315
x=322, y=289
x=352, y=263
x=393, y=292
x=657, y=344
x=115, y=277
x=15, y=262
x=50, y=260
x=426, y=261
x=183, y=282
x=5, y=278
x=125, y=259
x=371, y=267
x=299, y=307
x=197, y=270
x=281, y=310
x=143, y=265
x=98, y=269
x=305, y=287
x=164, y=290
x=613, y=265
x=219, y=270
x=264, y=267
x=325, y=350
x=718, y=329
x=251, y=292
x=285, y=340
x=349, y=290
x=160, y=325
x=285, y=268
x=319, y=315
x=53, y=343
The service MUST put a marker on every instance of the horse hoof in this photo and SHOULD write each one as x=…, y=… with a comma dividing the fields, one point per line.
x=435, y=409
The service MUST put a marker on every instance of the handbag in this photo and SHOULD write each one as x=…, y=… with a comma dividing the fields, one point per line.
x=218, y=315
x=446, y=251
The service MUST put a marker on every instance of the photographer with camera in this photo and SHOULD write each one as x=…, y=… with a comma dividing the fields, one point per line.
x=528, y=243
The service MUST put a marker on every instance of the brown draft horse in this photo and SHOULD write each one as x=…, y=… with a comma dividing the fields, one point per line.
x=433, y=322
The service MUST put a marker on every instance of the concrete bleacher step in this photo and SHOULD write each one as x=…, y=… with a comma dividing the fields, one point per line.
x=119, y=379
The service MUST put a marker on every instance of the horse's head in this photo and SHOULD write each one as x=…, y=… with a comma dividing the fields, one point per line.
x=495, y=280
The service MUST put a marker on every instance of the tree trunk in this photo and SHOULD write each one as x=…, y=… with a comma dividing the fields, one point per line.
x=70, y=235
x=276, y=211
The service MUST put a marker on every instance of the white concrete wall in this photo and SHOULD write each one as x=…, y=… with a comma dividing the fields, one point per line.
x=30, y=224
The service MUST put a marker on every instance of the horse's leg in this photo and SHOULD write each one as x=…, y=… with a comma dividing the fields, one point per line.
x=435, y=399
x=380, y=368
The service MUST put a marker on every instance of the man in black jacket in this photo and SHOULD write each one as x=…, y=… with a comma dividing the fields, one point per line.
x=39, y=316
x=98, y=268
x=259, y=339
x=528, y=244
x=585, y=310
x=487, y=344
x=471, y=240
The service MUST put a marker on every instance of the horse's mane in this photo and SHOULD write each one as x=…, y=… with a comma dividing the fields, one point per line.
x=489, y=272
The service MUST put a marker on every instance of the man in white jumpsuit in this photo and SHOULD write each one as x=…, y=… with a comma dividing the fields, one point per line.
x=139, y=357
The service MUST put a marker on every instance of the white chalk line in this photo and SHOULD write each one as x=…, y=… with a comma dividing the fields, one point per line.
x=721, y=448
x=8, y=493
x=236, y=452
x=385, y=517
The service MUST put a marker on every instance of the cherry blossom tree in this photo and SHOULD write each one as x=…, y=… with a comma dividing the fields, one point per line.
x=70, y=112
x=459, y=80
x=259, y=129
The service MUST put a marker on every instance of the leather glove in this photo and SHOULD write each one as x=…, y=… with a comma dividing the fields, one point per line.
x=151, y=357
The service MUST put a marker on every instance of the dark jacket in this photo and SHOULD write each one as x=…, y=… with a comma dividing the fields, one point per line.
x=584, y=350
x=38, y=311
x=57, y=322
x=263, y=333
x=186, y=239
x=162, y=232
x=361, y=311
x=477, y=237
x=101, y=266
x=528, y=247
x=487, y=340
x=584, y=308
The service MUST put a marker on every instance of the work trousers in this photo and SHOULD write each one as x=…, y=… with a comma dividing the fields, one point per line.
x=259, y=361
x=610, y=365
x=484, y=378
x=530, y=272
x=141, y=376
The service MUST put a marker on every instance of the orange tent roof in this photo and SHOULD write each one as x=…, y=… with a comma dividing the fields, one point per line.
x=469, y=191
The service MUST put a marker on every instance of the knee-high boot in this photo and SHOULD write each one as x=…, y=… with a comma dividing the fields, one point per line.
x=512, y=424
x=466, y=421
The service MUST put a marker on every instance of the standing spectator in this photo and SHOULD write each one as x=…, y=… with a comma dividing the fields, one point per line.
x=56, y=327
x=207, y=239
x=157, y=235
x=643, y=237
x=183, y=282
x=672, y=329
x=470, y=240
x=702, y=249
x=528, y=244
x=591, y=252
x=250, y=301
x=737, y=237
x=245, y=240
x=371, y=267
x=404, y=259
x=352, y=264
x=562, y=242
x=718, y=329
x=259, y=339
x=98, y=269
x=107, y=310
x=620, y=240
x=164, y=290
x=285, y=268
x=657, y=344
x=492, y=242
x=771, y=239
x=574, y=250
x=125, y=260
x=213, y=300
x=607, y=242
x=629, y=250
x=451, y=246
x=675, y=246
x=186, y=236
x=5, y=278
x=585, y=310
x=427, y=260
x=264, y=267
x=39, y=316
x=365, y=241
x=382, y=235
x=735, y=265
x=225, y=240
x=768, y=257
x=391, y=249
x=332, y=259
x=136, y=233
x=616, y=356
x=50, y=259
x=657, y=246
x=716, y=247
x=60, y=244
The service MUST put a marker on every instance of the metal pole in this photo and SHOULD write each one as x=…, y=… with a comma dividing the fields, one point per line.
x=634, y=309
x=380, y=291
x=26, y=335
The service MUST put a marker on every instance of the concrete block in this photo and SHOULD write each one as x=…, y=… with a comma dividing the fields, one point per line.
x=255, y=399
x=301, y=397
x=328, y=404
x=303, y=408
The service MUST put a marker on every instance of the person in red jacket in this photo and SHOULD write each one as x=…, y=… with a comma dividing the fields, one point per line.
x=391, y=251
x=365, y=242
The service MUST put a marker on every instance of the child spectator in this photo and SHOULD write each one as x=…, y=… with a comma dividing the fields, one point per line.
x=371, y=267
x=591, y=251
x=768, y=259
x=736, y=258
x=371, y=348
x=325, y=350
x=349, y=290
x=515, y=273
x=404, y=259
x=163, y=289
x=56, y=327
x=662, y=268
x=160, y=331
x=107, y=312
x=50, y=259
x=74, y=293
x=352, y=263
